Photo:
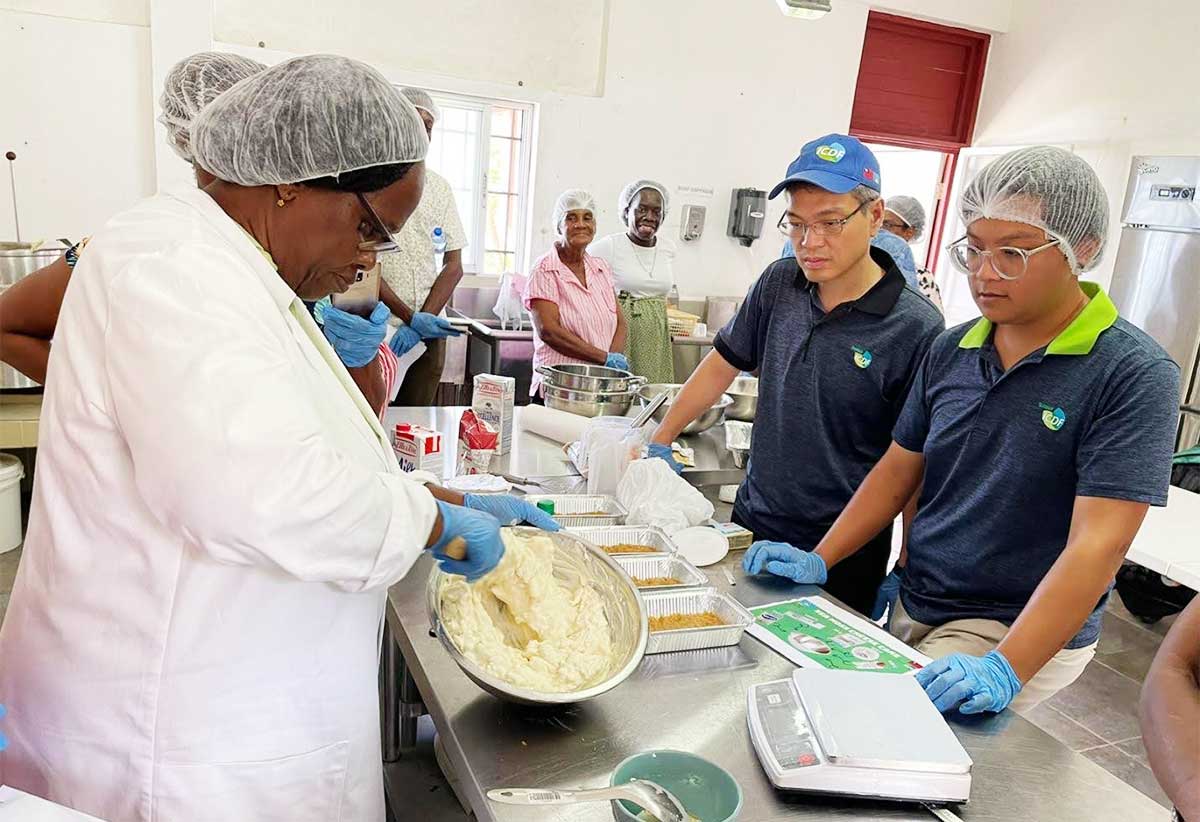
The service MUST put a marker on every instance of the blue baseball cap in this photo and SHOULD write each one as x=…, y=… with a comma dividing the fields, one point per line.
x=835, y=162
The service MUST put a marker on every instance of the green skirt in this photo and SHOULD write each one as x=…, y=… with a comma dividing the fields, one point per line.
x=648, y=341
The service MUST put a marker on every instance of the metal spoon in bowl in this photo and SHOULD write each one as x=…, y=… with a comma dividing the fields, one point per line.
x=648, y=795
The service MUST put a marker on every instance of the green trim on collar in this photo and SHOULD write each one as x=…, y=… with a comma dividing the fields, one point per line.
x=1078, y=338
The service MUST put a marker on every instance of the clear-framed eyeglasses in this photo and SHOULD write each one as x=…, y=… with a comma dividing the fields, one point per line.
x=798, y=232
x=1008, y=262
x=387, y=244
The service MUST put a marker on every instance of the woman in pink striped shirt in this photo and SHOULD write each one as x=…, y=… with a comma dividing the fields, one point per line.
x=572, y=297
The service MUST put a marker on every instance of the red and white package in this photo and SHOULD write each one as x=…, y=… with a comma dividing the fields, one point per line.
x=477, y=443
x=418, y=448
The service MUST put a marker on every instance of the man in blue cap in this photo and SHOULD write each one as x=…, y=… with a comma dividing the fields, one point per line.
x=836, y=335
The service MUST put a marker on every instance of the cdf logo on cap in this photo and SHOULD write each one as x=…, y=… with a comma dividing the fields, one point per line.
x=832, y=153
x=837, y=163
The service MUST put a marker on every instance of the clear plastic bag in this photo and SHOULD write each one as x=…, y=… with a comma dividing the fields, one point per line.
x=653, y=494
x=510, y=308
x=607, y=447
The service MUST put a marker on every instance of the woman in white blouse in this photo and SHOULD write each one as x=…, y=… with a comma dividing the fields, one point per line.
x=642, y=265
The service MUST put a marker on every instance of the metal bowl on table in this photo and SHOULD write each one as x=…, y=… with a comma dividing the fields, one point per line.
x=587, y=403
x=744, y=392
x=713, y=416
x=574, y=559
x=583, y=377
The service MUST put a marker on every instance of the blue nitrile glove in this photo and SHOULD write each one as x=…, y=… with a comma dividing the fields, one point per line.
x=889, y=589
x=3, y=739
x=482, y=533
x=355, y=339
x=616, y=360
x=664, y=452
x=785, y=560
x=973, y=684
x=403, y=340
x=511, y=510
x=431, y=326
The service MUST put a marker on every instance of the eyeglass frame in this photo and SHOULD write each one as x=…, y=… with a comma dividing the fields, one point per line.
x=803, y=237
x=377, y=246
x=1025, y=254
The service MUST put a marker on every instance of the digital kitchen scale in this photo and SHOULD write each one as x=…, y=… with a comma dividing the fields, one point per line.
x=850, y=733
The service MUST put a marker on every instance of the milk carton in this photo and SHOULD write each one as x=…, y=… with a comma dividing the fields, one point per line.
x=492, y=401
x=418, y=448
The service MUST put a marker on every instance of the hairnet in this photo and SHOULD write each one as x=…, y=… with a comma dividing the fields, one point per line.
x=309, y=117
x=1045, y=187
x=192, y=84
x=420, y=98
x=571, y=200
x=631, y=191
x=908, y=209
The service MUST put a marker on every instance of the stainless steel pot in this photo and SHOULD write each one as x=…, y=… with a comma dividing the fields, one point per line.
x=744, y=393
x=575, y=559
x=16, y=261
x=705, y=421
x=581, y=377
x=588, y=403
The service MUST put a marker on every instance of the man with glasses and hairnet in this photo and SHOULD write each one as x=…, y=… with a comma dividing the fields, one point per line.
x=836, y=335
x=1041, y=432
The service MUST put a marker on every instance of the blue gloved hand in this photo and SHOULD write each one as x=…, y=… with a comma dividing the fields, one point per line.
x=785, y=560
x=616, y=360
x=973, y=684
x=664, y=452
x=888, y=591
x=511, y=510
x=482, y=534
x=403, y=340
x=431, y=326
x=355, y=339
x=3, y=739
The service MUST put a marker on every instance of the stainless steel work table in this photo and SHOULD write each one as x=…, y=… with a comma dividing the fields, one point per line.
x=697, y=702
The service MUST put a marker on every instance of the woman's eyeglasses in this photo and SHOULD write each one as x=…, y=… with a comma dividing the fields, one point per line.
x=378, y=246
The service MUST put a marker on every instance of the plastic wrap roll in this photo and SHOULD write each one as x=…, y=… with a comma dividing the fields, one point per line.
x=559, y=426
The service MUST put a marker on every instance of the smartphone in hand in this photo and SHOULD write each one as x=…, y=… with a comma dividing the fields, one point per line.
x=361, y=297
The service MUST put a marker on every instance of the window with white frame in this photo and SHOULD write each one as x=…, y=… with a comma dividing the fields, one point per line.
x=483, y=147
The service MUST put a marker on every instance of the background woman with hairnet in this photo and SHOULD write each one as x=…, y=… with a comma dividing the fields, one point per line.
x=217, y=512
x=571, y=295
x=643, y=268
x=904, y=216
x=1038, y=435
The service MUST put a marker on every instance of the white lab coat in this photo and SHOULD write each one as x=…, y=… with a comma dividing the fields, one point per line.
x=194, y=630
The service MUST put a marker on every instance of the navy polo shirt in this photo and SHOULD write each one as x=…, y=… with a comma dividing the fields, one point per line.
x=831, y=386
x=1092, y=414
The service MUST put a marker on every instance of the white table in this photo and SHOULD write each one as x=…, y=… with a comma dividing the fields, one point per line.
x=1169, y=539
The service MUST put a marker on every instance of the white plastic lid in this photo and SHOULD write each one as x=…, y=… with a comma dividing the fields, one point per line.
x=10, y=468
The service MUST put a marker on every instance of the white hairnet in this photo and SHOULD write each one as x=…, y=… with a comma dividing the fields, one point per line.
x=192, y=84
x=420, y=98
x=631, y=191
x=571, y=200
x=309, y=117
x=908, y=209
x=1045, y=187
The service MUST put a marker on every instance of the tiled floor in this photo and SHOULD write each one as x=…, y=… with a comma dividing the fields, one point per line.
x=1096, y=716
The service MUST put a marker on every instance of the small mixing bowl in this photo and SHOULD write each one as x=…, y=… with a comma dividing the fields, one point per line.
x=707, y=791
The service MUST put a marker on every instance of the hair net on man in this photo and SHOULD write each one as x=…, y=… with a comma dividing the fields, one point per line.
x=420, y=98
x=192, y=84
x=1049, y=188
x=572, y=199
x=309, y=117
x=908, y=209
x=630, y=192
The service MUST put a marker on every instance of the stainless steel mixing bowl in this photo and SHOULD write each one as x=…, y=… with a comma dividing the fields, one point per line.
x=744, y=392
x=574, y=559
x=584, y=377
x=705, y=421
x=588, y=403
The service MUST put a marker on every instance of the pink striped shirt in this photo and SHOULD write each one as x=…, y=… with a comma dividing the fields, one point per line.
x=387, y=364
x=590, y=313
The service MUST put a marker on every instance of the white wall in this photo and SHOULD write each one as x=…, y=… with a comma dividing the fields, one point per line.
x=77, y=112
x=1109, y=78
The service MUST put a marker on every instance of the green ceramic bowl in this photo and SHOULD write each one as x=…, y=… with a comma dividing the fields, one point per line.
x=708, y=792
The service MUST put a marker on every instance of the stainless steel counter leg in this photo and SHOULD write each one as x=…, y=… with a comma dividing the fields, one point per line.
x=411, y=708
x=389, y=696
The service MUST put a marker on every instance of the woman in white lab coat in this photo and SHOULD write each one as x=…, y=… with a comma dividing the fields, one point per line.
x=194, y=630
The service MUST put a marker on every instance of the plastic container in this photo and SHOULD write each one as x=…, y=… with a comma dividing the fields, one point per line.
x=439, y=241
x=706, y=791
x=11, y=474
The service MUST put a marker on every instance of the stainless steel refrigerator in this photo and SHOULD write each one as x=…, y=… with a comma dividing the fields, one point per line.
x=1156, y=281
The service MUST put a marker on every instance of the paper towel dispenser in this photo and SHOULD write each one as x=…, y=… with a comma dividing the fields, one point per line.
x=747, y=210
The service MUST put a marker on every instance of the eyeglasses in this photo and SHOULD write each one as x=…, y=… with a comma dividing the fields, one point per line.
x=798, y=232
x=376, y=246
x=1008, y=262
x=895, y=226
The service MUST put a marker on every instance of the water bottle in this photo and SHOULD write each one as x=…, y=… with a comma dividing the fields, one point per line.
x=673, y=297
x=439, y=241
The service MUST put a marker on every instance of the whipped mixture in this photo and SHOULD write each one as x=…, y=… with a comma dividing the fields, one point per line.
x=523, y=626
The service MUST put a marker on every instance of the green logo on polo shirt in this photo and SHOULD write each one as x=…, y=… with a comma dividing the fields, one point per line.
x=862, y=357
x=1053, y=417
